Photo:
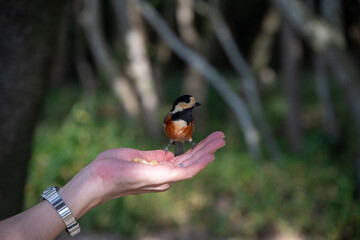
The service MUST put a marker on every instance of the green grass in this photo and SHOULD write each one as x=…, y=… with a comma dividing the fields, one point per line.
x=308, y=194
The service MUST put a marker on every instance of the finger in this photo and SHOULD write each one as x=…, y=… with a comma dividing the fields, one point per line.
x=211, y=137
x=147, y=191
x=190, y=153
x=209, y=148
x=180, y=173
x=152, y=188
x=160, y=187
x=216, y=134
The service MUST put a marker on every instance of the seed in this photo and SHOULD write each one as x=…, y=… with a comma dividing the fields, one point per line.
x=140, y=160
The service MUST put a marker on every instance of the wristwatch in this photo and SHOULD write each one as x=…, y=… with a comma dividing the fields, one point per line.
x=51, y=194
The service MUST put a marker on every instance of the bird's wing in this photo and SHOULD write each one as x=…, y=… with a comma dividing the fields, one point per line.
x=166, y=116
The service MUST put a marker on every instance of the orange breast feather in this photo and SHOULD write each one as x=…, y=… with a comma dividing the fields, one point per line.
x=178, y=130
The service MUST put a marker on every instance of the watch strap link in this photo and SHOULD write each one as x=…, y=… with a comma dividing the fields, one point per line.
x=51, y=194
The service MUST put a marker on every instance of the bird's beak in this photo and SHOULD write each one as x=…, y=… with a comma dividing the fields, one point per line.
x=197, y=104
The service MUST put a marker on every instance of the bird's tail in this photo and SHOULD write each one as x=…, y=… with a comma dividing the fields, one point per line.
x=179, y=148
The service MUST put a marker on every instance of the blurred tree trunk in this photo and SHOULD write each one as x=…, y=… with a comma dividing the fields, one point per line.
x=327, y=40
x=211, y=74
x=89, y=18
x=194, y=83
x=28, y=30
x=162, y=60
x=263, y=45
x=291, y=56
x=163, y=56
x=322, y=88
x=61, y=55
x=139, y=64
x=330, y=10
x=84, y=69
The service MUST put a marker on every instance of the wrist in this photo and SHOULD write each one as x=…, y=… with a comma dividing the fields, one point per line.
x=81, y=193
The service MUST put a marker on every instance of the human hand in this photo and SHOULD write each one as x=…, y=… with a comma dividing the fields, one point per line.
x=118, y=176
x=113, y=174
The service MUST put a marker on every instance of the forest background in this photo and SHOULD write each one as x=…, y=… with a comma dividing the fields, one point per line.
x=280, y=78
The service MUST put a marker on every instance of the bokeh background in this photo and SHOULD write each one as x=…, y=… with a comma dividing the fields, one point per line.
x=280, y=78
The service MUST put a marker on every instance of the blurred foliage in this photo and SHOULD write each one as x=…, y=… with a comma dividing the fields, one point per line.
x=308, y=194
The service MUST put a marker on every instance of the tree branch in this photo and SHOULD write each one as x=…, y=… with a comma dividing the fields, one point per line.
x=240, y=65
x=316, y=30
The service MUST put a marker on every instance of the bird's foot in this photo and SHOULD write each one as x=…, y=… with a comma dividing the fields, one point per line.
x=193, y=143
x=167, y=148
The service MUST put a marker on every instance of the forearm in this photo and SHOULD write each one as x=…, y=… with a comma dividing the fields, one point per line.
x=38, y=222
x=42, y=221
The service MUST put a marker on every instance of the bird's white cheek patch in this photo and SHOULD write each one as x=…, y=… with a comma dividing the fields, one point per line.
x=178, y=108
x=182, y=105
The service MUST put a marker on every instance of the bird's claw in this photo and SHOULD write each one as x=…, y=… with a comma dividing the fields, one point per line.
x=167, y=148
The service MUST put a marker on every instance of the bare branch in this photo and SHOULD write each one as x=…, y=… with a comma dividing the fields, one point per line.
x=211, y=74
x=240, y=65
x=316, y=30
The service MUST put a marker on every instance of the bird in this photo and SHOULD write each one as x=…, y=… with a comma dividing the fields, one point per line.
x=179, y=123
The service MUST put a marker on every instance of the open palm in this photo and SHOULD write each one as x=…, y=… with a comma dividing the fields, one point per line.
x=120, y=176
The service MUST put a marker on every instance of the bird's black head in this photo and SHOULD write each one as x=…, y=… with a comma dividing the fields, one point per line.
x=184, y=102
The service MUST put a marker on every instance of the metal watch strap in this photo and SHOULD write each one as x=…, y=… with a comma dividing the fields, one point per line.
x=51, y=194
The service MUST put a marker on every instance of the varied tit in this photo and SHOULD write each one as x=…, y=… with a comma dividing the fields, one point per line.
x=179, y=123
